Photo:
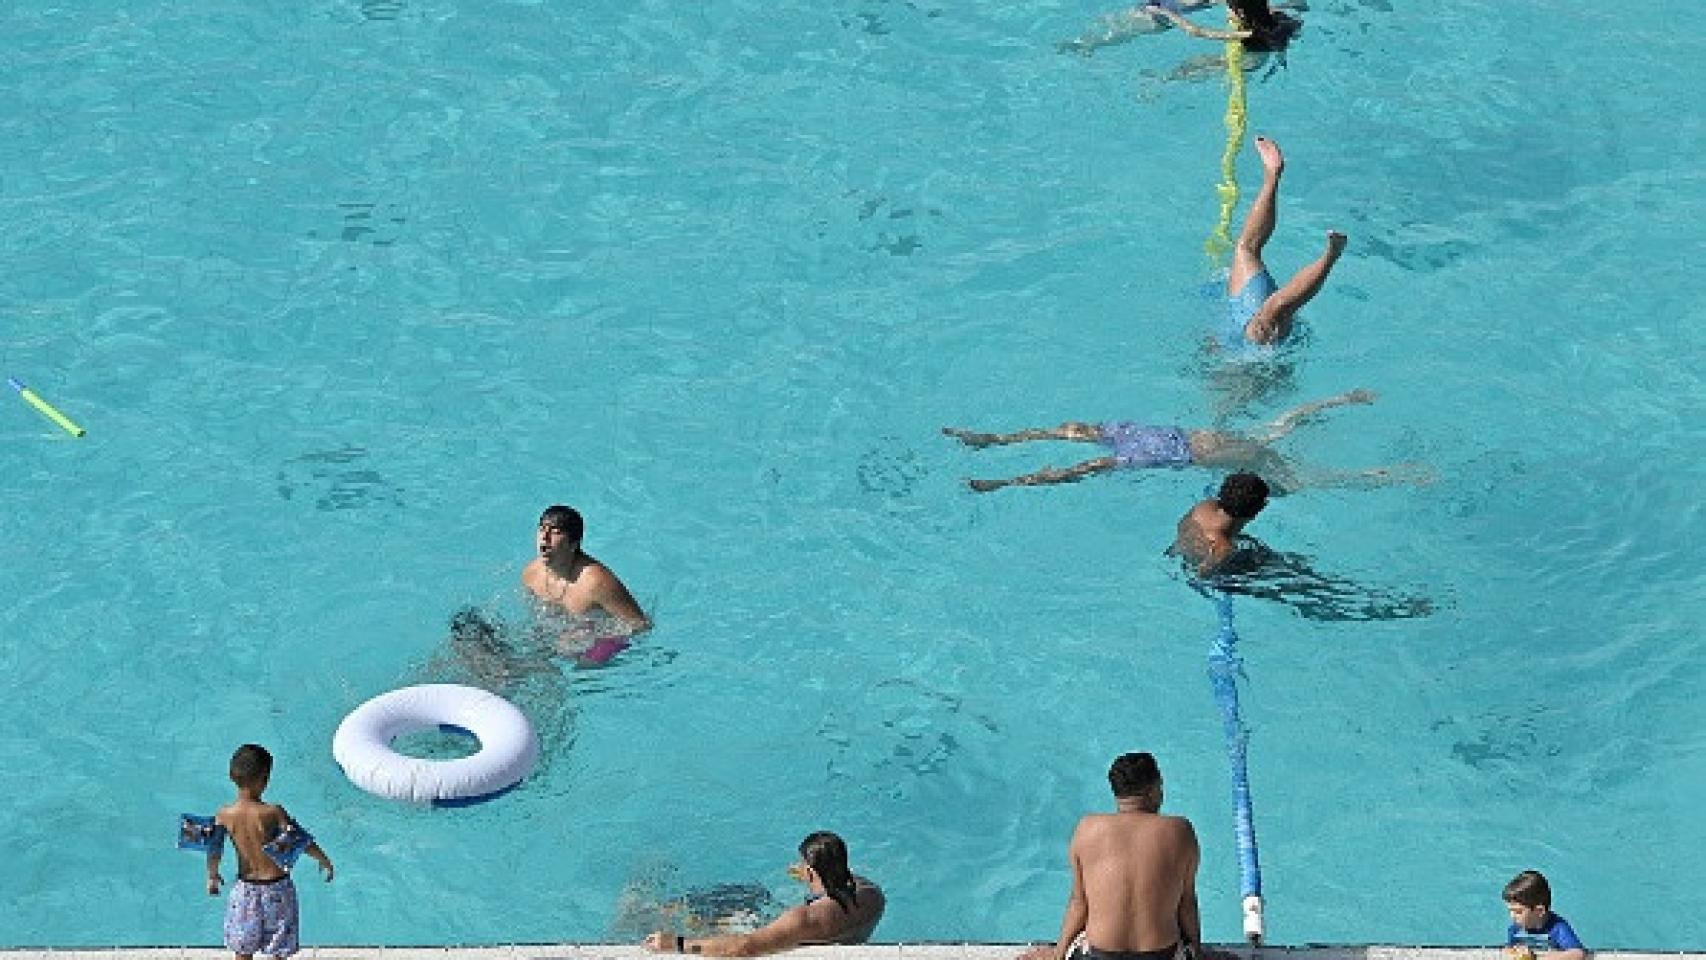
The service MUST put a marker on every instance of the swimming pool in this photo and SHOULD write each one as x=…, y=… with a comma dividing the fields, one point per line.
x=345, y=292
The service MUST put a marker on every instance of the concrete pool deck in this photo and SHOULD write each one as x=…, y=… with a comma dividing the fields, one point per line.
x=935, y=951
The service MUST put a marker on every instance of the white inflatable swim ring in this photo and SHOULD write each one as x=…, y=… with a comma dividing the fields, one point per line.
x=508, y=745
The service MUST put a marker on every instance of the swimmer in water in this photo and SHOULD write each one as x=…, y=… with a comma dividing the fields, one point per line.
x=1208, y=533
x=840, y=908
x=570, y=584
x=1219, y=556
x=1136, y=445
x=1259, y=311
x=1260, y=28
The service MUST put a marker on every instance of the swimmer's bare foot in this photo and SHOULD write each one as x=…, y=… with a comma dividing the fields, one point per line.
x=1359, y=395
x=984, y=486
x=1336, y=243
x=971, y=438
x=1273, y=161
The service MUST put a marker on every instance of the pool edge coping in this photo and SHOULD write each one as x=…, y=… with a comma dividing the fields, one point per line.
x=896, y=951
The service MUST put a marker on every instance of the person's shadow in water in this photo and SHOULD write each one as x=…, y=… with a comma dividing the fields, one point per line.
x=1256, y=570
x=486, y=652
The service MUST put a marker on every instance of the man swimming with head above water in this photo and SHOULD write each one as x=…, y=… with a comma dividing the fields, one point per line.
x=570, y=585
x=1208, y=534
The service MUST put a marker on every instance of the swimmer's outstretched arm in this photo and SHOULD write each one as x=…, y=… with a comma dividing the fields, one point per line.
x=1397, y=474
x=796, y=926
x=1048, y=475
x=1186, y=25
x=1117, y=28
x=1292, y=419
x=1205, y=67
x=1070, y=430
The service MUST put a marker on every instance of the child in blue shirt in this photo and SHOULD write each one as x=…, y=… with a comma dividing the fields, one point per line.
x=1533, y=924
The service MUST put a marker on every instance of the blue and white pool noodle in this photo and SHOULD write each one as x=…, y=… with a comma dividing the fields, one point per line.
x=1224, y=668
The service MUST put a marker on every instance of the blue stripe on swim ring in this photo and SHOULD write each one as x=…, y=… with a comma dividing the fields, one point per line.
x=471, y=801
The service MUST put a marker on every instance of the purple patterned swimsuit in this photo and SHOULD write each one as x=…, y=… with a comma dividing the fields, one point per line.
x=1137, y=445
x=261, y=918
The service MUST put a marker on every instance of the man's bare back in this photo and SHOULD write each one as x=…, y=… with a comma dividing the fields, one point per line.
x=1207, y=534
x=1139, y=872
x=1202, y=539
x=1134, y=875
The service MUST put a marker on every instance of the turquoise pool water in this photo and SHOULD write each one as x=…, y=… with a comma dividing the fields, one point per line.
x=345, y=292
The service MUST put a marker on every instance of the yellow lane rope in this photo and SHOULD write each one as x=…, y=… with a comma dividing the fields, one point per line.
x=1219, y=242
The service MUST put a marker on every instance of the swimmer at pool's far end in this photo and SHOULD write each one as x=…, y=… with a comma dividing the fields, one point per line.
x=1260, y=24
x=1256, y=26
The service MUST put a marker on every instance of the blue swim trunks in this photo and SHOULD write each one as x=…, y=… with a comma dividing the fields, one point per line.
x=1137, y=445
x=262, y=918
x=1240, y=309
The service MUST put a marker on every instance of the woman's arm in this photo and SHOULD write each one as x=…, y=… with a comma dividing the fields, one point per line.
x=795, y=926
x=1186, y=25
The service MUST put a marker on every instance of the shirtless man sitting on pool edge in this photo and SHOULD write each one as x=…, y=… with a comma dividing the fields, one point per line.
x=1134, y=877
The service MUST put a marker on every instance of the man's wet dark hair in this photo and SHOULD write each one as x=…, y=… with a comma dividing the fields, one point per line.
x=826, y=854
x=1268, y=30
x=1529, y=889
x=250, y=764
x=1134, y=774
x=566, y=519
x=1243, y=495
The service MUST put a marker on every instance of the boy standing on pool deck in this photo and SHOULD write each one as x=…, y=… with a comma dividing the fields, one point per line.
x=261, y=916
x=1533, y=924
